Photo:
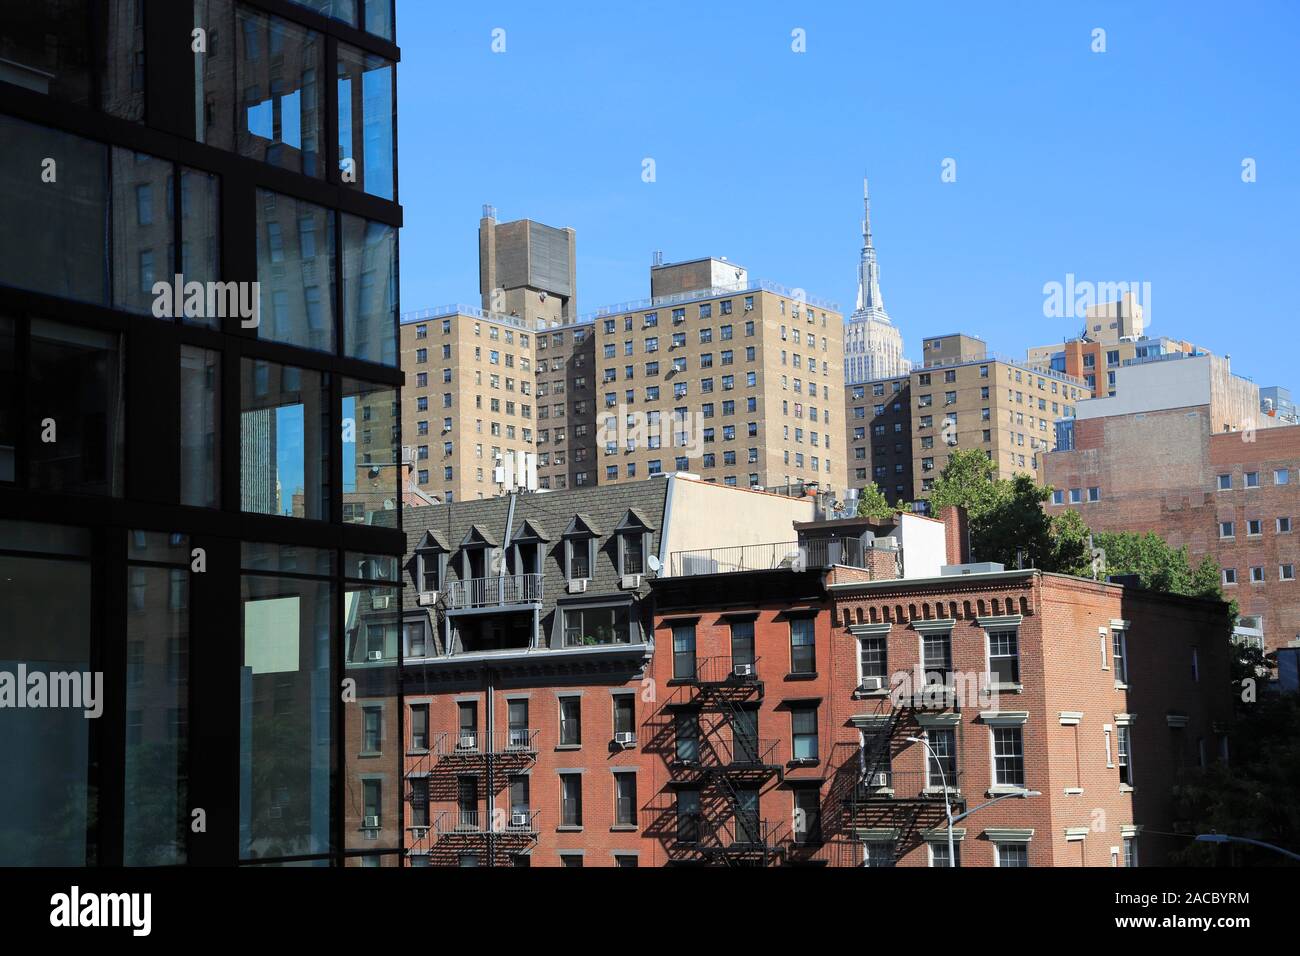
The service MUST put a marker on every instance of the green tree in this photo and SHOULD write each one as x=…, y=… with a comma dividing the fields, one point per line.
x=1070, y=554
x=1159, y=566
x=969, y=480
x=872, y=503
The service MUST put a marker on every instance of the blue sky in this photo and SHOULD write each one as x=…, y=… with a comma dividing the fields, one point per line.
x=1117, y=166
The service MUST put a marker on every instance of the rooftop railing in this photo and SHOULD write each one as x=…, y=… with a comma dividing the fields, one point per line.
x=738, y=288
x=791, y=555
x=496, y=591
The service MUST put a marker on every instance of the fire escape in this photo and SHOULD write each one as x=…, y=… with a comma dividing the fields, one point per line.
x=469, y=769
x=724, y=759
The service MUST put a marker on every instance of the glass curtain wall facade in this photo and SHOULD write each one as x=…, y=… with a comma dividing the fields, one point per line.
x=201, y=473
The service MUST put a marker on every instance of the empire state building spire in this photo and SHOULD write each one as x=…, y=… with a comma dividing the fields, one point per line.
x=873, y=345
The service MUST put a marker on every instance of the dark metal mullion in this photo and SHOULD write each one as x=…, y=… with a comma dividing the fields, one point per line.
x=109, y=582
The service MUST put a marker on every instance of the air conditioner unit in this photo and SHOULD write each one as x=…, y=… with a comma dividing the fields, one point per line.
x=275, y=813
x=370, y=823
x=743, y=670
x=380, y=601
x=375, y=656
x=879, y=779
x=466, y=742
x=519, y=819
x=625, y=738
x=630, y=581
x=873, y=683
x=578, y=585
x=428, y=598
x=749, y=308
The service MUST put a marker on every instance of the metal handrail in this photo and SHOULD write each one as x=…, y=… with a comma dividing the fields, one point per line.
x=905, y=785
x=475, y=743
x=794, y=555
x=495, y=591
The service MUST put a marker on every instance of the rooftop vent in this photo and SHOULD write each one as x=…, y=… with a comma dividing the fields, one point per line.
x=975, y=567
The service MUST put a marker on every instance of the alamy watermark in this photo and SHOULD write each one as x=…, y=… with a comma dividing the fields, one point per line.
x=60, y=690
x=208, y=300
x=1073, y=298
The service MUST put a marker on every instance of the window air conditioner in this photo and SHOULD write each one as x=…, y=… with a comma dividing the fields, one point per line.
x=380, y=601
x=873, y=683
x=879, y=779
x=630, y=581
x=577, y=585
x=625, y=738
x=371, y=822
x=375, y=656
x=743, y=670
x=519, y=819
x=428, y=598
x=466, y=742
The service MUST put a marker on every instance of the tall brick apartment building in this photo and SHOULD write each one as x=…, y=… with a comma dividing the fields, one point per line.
x=1183, y=451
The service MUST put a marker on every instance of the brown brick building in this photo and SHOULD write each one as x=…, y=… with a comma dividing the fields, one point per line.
x=1182, y=451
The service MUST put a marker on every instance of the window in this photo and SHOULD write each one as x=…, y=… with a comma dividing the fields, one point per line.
x=371, y=729
x=1008, y=757
x=281, y=406
x=570, y=721
x=878, y=853
x=571, y=801
x=803, y=649
x=632, y=551
x=518, y=733
x=1004, y=657
x=936, y=657
x=625, y=859
x=872, y=660
x=1286, y=572
x=1130, y=851
x=1123, y=751
x=742, y=645
x=296, y=277
x=596, y=626
x=625, y=799
x=1254, y=527
x=1226, y=529
x=1283, y=525
x=1257, y=575
x=1119, y=646
x=939, y=855
x=419, y=726
x=688, y=816
x=803, y=723
x=687, y=735
x=1252, y=479
x=941, y=757
x=1011, y=854
x=807, y=815
x=1229, y=576
x=1225, y=482
x=1281, y=476
x=684, y=651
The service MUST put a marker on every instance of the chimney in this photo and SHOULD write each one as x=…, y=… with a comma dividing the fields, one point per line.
x=956, y=534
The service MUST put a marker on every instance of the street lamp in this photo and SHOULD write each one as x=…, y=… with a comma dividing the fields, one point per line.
x=1224, y=838
x=947, y=804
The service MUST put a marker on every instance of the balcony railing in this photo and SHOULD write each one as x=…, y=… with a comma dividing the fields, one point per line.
x=475, y=743
x=477, y=823
x=743, y=832
x=496, y=591
x=726, y=669
x=794, y=555
x=887, y=785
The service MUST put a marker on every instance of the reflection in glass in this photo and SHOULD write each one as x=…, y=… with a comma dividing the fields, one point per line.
x=157, y=714
x=200, y=234
x=372, y=624
x=144, y=248
x=8, y=400
x=75, y=398
x=284, y=440
x=285, y=718
x=379, y=18
x=123, y=52
x=46, y=803
x=345, y=10
x=370, y=290
x=200, y=440
x=278, y=70
x=367, y=117
x=214, y=74
x=47, y=48
x=295, y=269
x=68, y=255
x=371, y=461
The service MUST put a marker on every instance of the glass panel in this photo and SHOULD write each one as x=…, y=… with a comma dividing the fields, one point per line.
x=214, y=75
x=75, y=403
x=143, y=236
x=8, y=399
x=370, y=567
x=367, y=118
x=370, y=290
x=295, y=271
x=157, y=715
x=379, y=18
x=123, y=75
x=200, y=439
x=277, y=78
x=284, y=440
x=285, y=718
x=372, y=466
x=742, y=643
x=372, y=624
x=286, y=559
x=159, y=547
x=596, y=625
x=61, y=182
x=46, y=803
x=345, y=10
x=201, y=244
x=46, y=48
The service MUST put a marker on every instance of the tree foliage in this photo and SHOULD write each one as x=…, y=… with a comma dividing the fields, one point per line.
x=872, y=503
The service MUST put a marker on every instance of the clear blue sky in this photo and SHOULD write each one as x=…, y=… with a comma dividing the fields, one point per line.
x=1115, y=166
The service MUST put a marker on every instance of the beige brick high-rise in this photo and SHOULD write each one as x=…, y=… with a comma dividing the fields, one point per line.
x=750, y=374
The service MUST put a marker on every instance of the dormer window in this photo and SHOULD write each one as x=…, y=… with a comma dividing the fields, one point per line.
x=579, y=548
x=633, y=554
x=430, y=566
x=634, y=535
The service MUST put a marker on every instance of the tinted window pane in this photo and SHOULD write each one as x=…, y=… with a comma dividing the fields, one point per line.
x=144, y=246
x=295, y=268
x=201, y=236
x=200, y=440
x=68, y=255
x=214, y=74
x=367, y=118
x=379, y=18
x=370, y=290
x=8, y=399
x=45, y=624
x=345, y=10
x=46, y=47
x=75, y=403
x=371, y=460
x=285, y=724
x=279, y=67
x=157, y=716
x=284, y=441
x=123, y=75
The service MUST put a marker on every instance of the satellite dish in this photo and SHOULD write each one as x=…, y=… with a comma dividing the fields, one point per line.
x=653, y=563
